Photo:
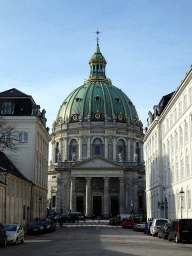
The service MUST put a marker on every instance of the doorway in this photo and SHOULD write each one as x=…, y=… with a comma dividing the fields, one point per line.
x=114, y=205
x=80, y=204
x=97, y=203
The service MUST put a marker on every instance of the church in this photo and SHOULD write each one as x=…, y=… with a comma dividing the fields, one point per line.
x=97, y=165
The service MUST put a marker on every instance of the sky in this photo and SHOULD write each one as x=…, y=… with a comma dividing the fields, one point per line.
x=46, y=45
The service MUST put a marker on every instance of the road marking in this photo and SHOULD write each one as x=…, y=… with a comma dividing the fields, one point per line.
x=37, y=241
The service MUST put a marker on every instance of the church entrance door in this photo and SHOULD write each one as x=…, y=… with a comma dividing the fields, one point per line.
x=114, y=205
x=97, y=203
x=80, y=204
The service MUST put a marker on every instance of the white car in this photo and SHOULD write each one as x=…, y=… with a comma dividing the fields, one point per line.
x=15, y=233
x=156, y=224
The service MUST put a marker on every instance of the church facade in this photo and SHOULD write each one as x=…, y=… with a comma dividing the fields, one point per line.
x=97, y=162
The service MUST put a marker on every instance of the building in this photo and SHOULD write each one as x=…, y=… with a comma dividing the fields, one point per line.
x=168, y=150
x=15, y=193
x=31, y=143
x=97, y=150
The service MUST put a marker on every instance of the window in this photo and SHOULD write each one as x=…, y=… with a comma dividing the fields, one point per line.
x=186, y=132
x=177, y=170
x=185, y=101
x=8, y=108
x=97, y=99
x=189, y=199
x=181, y=136
x=175, y=114
x=180, y=108
x=74, y=150
x=6, y=137
x=176, y=140
x=187, y=163
x=171, y=120
x=23, y=137
x=97, y=150
x=182, y=168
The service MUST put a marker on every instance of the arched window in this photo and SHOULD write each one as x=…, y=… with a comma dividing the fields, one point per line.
x=73, y=149
x=56, y=151
x=97, y=147
x=121, y=149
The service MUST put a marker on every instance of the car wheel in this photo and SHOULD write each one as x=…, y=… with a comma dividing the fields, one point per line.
x=177, y=239
x=23, y=240
x=16, y=241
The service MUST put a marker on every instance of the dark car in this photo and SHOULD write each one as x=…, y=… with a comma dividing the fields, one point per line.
x=147, y=228
x=3, y=237
x=36, y=227
x=65, y=218
x=57, y=218
x=163, y=231
x=114, y=221
x=180, y=229
x=49, y=225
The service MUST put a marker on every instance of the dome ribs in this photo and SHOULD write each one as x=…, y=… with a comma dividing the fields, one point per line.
x=104, y=100
x=112, y=106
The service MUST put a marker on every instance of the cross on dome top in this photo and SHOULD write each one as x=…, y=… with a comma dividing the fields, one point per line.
x=97, y=32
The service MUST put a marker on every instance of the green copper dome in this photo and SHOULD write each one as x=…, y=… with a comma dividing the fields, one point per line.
x=97, y=99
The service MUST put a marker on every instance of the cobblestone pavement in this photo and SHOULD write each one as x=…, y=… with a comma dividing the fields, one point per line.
x=93, y=238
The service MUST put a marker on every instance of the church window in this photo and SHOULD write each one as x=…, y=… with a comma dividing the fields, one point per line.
x=120, y=149
x=78, y=99
x=97, y=98
x=117, y=100
x=74, y=150
x=8, y=107
x=120, y=117
x=56, y=151
x=97, y=150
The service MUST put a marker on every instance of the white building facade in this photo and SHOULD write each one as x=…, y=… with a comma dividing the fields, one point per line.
x=168, y=151
x=31, y=140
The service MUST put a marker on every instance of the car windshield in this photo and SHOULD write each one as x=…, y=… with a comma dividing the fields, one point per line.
x=186, y=224
x=36, y=223
x=47, y=222
x=10, y=227
x=161, y=222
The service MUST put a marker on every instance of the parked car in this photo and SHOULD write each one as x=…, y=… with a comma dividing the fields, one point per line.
x=3, y=236
x=49, y=225
x=156, y=224
x=57, y=218
x=180, y=229
x=37, y=227
x=15, y=233
x=114, y=221
x=128, y=223
x=81, y=216
x=65, y=218
x=147, y=228
x=163, y=231
x=139, y=226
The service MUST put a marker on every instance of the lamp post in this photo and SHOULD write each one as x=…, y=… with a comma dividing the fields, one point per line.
x=40, y=200
x=182, y=196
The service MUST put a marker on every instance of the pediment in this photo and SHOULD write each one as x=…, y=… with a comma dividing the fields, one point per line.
x=97, y=162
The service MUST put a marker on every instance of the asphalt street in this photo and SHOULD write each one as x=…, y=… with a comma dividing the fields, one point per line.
x=93, y=238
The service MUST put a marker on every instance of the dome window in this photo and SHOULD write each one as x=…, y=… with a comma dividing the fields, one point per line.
x=97, y=115
x=78, y=99
x=120, y=117
x=74, y=117
x=117, y=100
x=97, y=98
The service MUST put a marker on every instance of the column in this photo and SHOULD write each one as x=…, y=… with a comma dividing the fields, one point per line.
x=72, y=195
x=114, y=149
x=88, y=197
x=141, y=152
x=106, y=148
x=122, y=191
x=66, y=148
x=106, y=197
x=128, y=151
x=88, y=147
x=53, y=152
x=61, y=148
x=80, y=148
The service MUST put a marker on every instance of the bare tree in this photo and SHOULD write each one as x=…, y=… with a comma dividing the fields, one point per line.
x=8, y=135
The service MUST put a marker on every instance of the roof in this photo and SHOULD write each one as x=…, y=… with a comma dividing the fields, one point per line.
x=97, y=99
x=14, y=93
x=7, y=166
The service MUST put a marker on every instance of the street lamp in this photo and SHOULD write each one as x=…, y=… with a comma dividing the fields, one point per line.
x=182, y=196
x=40, y=200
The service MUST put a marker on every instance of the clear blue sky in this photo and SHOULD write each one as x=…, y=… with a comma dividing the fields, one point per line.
x=45, y=47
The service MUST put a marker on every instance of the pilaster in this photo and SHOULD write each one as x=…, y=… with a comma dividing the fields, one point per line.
x=122, y=192
x=72, y=195
x=106, y=197
x=88, y=197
